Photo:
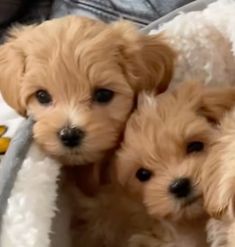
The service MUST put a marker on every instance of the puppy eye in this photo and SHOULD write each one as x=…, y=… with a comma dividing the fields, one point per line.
x=103, y=95
x=194, y=147
x=43, y=97
x=143, y=175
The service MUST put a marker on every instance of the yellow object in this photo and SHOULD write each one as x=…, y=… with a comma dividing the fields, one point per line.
x=3, y=130
x=4, y=141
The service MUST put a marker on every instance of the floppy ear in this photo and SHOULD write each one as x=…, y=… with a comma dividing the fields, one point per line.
x=218, y=174
x=147, y=60
x=216, y=101
x=12, y=66
x=11, y=69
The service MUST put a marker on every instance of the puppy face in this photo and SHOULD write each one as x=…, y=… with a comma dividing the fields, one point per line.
x=78, y=78
x=166, y=143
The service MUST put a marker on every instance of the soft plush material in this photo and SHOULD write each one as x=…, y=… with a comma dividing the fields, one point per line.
x=28, y=191
x=205, y=41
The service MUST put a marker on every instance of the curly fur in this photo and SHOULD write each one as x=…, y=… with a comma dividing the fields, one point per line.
x=70, y=57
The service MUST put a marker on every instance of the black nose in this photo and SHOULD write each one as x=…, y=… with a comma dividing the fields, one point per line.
x=181, y=187
x=71, y=137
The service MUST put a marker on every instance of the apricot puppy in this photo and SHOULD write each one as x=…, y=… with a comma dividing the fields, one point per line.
x=166, y=143
x=78, y=79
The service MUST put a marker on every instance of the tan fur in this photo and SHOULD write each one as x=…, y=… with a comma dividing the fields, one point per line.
x=70, y=57
x=218, y=173
x=112, y=219
x=218, y=180
x=156, y=138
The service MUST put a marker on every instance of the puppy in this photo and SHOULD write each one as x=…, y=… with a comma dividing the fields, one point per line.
x=112, y=219
x=218, y=183
x=78, y=79
x=166, y=143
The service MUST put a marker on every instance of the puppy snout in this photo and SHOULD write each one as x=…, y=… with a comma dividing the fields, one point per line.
x=181, y=187
x=71, y=137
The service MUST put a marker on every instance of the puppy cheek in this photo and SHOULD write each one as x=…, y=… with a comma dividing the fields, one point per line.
x=106, y=125
x=96, y=146
x=157, y=199
x=152, y=195
x=136, y=189
x=121, y=108
x=45, y=135
x=102, y=134
x=34, y=109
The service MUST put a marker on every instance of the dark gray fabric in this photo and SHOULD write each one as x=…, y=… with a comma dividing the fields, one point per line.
x=194, y=6
x=12, y=161
x=141, y=12
x=166, y=6
x=22, y=11
x=9, y=10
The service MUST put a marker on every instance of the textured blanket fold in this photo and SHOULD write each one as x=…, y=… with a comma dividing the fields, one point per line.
x=28, y=187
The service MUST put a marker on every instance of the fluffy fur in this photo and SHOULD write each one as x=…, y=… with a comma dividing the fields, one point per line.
x=70, y=58
x=156, y=139
x=218, y=182
x=113, y=219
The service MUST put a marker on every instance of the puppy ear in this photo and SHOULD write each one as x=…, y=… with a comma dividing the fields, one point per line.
x=147, y=60
x=12, y=66
x=216, y=101
x=218, y=176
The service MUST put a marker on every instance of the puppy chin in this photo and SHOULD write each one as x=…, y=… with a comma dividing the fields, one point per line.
x=78, y=158
x=66, y=156
x=189, y=209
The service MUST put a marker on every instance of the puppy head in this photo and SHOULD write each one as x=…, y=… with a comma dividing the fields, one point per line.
x=166, y=143
x=218, y=173
x=78, y=78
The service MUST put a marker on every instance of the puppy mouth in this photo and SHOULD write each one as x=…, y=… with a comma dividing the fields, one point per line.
x=191, y=200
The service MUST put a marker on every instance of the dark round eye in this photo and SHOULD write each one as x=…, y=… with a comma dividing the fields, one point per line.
x=103, y=95
x=43, y=97
x=194, y=147
x=143, y=175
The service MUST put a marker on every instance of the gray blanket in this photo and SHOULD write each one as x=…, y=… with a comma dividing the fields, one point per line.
x=12, y=161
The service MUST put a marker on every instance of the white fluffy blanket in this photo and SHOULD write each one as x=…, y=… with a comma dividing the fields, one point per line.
x=31, y=206
x=205, y=42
